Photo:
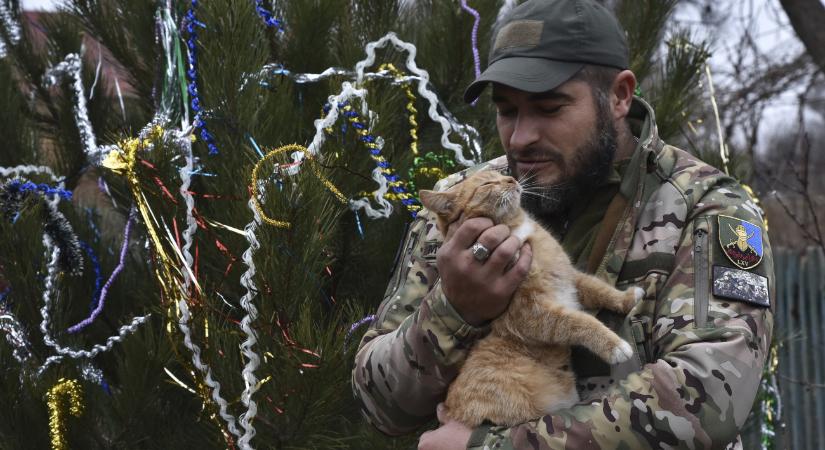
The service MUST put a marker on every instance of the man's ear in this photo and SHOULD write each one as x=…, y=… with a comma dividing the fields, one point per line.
x=624, y=86
x=441, y=203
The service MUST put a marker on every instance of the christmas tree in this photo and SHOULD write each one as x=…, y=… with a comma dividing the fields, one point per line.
x=202, y=203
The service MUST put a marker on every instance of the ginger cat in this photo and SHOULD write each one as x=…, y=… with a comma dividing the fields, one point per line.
x=521, y=370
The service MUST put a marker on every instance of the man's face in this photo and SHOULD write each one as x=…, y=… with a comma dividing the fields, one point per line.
x=560, y=143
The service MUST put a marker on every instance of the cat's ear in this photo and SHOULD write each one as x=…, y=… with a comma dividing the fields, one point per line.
x=441, y=203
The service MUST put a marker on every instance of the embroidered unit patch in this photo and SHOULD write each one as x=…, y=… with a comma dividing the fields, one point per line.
x=741, y=285
x=741, y=241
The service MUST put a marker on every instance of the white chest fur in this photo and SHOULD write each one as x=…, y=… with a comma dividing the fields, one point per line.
x=525, y=229
x=566, y=294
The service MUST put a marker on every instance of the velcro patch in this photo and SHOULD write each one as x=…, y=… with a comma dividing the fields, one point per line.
x=741, y=285
x=519, y=33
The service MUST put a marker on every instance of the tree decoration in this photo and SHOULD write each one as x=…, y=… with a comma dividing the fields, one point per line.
x=191, y=23
x=255, y=185
x=474, y=39
x=121, y=263
x=267, y=16
x=64, y=397
x=53, y=255
x=70, y=68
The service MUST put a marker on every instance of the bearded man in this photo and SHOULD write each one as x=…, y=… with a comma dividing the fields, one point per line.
x=626, y=207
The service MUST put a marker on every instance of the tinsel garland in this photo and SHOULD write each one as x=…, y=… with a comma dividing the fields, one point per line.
x=255, y=185
x=191, y=23
x=63, y=399
x=13, y=194
x=52, y=256
x=267, y=16
x=70, y=67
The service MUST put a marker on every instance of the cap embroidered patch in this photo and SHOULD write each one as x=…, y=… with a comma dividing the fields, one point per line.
x=741, y=285
x=741, y=241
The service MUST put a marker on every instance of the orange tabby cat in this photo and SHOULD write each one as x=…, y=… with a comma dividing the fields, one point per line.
x=521, y=370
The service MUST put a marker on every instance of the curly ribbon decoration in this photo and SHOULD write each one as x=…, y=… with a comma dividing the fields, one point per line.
x=188, y=279
x=65, y=391
x=447, y=125
x=255, y=186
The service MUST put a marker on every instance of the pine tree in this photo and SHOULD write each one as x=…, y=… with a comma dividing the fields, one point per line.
x=313, y=279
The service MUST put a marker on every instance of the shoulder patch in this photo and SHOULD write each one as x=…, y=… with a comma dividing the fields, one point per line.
x=741, y=285
x=741, y=241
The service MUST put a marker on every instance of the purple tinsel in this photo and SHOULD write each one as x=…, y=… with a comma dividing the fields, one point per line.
x=123, y=248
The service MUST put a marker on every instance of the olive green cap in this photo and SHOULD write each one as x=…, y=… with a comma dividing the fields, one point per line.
x=542, y=43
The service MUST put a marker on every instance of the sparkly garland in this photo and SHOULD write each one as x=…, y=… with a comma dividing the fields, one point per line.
x=374, y=145
x=267, y=16
x=12, y=195
x=256, y=183
x=191, y=23
x=71, y=67
x=65, y=392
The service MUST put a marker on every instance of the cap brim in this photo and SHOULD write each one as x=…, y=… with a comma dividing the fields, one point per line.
x=525, y=74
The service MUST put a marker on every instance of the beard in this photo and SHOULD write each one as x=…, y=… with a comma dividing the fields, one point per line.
x=588, y=169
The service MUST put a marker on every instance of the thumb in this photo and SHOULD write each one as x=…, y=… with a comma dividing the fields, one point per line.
x=441, y=412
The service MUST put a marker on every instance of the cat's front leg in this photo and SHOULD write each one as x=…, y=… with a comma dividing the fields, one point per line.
x=565, y=326
x=596, y=293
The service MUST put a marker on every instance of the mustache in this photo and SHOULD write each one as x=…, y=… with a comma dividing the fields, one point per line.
x=539, y=154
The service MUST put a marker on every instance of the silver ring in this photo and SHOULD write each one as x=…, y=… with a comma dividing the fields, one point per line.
x=480, y=252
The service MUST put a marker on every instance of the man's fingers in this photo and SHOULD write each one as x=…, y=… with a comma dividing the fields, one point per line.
x=521, y=268
x=469, y=231
x=504, y=254
x=492, y=237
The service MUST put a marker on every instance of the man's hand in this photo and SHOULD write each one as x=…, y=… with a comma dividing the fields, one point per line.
x=451, y=435
x=481, y=291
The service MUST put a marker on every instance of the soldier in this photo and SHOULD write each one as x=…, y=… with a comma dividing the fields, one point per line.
x=626, y=207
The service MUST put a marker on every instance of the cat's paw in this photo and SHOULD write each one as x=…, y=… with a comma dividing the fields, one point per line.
x=632, y=296
x=621, y=353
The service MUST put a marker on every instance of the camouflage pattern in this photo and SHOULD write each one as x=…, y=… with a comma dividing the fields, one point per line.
x=698, y=357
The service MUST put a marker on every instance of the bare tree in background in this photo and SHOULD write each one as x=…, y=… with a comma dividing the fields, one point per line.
x=807, y=18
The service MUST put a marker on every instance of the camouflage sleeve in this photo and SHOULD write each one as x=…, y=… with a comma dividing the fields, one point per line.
x=414, y=348
x=708, y=354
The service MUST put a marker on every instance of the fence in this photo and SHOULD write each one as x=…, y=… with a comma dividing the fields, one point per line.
x=800, y=329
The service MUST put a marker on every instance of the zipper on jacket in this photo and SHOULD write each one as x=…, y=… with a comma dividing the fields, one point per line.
x=701, y=280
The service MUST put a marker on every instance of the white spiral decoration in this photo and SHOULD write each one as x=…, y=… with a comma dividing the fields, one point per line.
x=253, y=360
x=183, y=324
x=423, y=90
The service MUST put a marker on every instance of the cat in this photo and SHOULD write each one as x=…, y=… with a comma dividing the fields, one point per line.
x=521, y=370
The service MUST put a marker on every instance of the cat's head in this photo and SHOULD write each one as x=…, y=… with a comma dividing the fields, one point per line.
x=485, y=193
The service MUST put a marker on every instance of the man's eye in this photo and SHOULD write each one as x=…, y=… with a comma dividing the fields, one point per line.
x=508, y=112
x=551, y=110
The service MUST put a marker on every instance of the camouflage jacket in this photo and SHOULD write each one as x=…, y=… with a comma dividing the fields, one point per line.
x=701, y=332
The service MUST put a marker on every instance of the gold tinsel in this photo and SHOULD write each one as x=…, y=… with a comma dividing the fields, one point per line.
x=310, y=160
x=62, y=392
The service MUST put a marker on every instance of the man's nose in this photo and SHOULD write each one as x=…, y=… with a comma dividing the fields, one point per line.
x=525, y=133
